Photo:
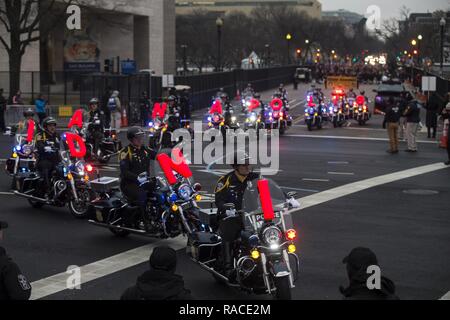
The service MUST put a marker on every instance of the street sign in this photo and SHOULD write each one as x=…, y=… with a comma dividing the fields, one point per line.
x=168, y=81
x=128, y=66
x=429, y=84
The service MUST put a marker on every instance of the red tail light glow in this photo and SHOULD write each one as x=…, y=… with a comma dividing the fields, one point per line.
x=89, y=168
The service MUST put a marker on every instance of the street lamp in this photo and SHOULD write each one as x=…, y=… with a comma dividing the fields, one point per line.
x=414, y=42
x=288, y=39
x=184, y=47
x=442, y=23
x=419, y=58
x=219, y=24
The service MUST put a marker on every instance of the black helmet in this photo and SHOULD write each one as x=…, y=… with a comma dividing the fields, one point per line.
x=257, y=95
x=28, y=113
x=134, y=132
x=240, y=158
x=48, y=122
x=224, y=96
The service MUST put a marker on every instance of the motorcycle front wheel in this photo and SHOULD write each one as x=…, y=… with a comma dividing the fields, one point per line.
x=283, y=288
x=79, y=209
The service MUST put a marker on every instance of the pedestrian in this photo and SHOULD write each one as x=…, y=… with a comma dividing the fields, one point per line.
x=41, y=108
x=105, y=108
x=145, y=105
x=13, y=284
x=3, y=104
x=17, y=99
x=392, y=119
x=432, y=115
x=446, y=116
x=358, y=262
x=115, y=107
x=160, y=282
x=412, y=114
x=185, y=104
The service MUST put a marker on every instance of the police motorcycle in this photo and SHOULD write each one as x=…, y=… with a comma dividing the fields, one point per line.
x=361, y=112
x=69, y=184
x=161, y=130
x=109, y=146
x=278, y=117
x=246, y=101
x=172, y=209
x=313, y=116
x=336, y=115
x=263, y=237
x=22, y=159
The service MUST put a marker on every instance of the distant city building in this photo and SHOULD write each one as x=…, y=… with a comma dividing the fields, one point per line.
x=311, y=7
x=421, y=20
x=345, y=16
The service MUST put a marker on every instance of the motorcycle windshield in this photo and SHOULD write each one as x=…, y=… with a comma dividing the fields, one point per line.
x=251, y=200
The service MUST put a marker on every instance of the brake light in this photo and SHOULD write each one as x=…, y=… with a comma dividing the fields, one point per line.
x=291, y=234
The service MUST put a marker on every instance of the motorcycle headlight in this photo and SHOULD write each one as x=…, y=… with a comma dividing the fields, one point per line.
x=252, y=118
x=272, y=236
x=233, y=119
x=27, y=150
x=185, y=192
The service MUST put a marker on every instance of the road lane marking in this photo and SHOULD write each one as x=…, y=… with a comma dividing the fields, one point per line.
x=346, y=138
x=57, y=283
x=298, y=189
x=338, y=162
x=316, y=180
x=341, y=173
x=362, y=185
x=446, y=296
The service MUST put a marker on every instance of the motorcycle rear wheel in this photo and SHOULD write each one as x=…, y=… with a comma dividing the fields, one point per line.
x=283, y=288
x=78, y=211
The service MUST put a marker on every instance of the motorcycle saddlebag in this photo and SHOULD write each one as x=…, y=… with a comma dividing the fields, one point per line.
x=10, y=163
x=204, y=246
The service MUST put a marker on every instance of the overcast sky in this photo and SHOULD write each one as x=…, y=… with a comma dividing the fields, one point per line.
x=389, y=8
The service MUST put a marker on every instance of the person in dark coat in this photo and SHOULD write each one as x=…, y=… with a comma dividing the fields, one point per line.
x=357, y=263
x=3, y=103
x=432, y=115
x=160, y=282
x=105, y=108
x=13, y=284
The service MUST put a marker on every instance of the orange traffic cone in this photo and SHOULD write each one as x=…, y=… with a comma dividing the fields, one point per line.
x=124, y=119
x=238, y=95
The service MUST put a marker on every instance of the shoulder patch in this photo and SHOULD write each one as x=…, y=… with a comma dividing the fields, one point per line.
x=24, y=284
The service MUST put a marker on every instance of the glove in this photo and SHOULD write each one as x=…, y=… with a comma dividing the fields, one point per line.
x=294, y=204
x=142, y=178
x=230, y=213
x=48, y=149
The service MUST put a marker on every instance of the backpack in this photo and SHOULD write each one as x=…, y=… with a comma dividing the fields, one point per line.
x=112, y=104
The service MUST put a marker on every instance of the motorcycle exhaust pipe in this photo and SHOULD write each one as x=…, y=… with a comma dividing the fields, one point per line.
x=108, y=226
x=30, y=197
x=219, y=275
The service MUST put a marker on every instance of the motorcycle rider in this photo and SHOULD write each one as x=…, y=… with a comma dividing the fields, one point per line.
x=22, y=126
x=228, y=108
x=96, y=124
x=173, y=113
x=47, y=145
x=230, y=189
x=351, y=94
x=283, y=91
x=248, y=91
x=135, y=165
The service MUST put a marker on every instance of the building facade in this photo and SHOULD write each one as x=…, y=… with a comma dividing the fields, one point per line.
x=140, y=30
x=311, y=7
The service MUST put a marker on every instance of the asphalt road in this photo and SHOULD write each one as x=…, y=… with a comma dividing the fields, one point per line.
x=409, y=233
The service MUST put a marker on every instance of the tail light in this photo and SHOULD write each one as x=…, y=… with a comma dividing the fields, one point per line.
x=291, y=235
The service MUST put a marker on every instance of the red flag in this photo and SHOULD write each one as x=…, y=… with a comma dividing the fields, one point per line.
x=266, y=200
